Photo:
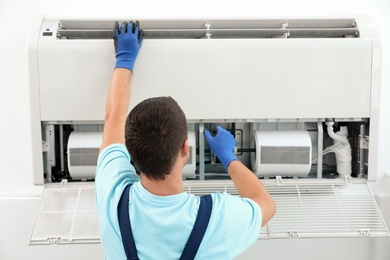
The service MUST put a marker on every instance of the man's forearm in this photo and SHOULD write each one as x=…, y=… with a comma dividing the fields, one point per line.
x=249, y=186
x=119, y=95
x=117, y=107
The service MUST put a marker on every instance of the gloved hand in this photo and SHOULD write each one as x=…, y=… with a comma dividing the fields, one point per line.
x=222, y=144
x=127, y=40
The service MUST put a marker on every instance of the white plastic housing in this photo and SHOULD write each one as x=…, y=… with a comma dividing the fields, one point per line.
x=233, y=79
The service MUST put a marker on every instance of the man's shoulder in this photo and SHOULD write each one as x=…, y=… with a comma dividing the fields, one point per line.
x=227, y=201
x=114, y=168
x=114, y=154
x=113, y=148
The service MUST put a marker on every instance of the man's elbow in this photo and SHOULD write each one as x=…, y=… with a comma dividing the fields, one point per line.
x=268, y=209
x=272, y=207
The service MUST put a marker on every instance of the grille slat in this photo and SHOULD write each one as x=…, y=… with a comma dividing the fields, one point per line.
x=307, y=208
x=217, y=29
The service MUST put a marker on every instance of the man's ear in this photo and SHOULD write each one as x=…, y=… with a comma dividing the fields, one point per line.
x=185, y=149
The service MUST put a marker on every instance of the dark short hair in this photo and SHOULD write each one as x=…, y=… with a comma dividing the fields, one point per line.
x=155, y=131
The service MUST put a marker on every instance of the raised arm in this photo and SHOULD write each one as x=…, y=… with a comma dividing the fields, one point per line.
x=247, y=184
x=127, y=40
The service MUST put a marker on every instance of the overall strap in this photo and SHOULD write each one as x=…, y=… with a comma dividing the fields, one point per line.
x=200, y=226
x=125, y=226
x=193, y=243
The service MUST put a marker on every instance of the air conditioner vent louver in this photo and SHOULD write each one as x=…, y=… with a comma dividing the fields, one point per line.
x=306, y=208
x=218, y=29
x=313, y=207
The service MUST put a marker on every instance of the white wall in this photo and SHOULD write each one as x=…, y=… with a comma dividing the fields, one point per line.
x=15, y=159
x=381, y=12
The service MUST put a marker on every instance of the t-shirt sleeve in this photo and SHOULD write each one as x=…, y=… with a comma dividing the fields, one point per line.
x=113, y=173
x=244, y=219
x=114, y=170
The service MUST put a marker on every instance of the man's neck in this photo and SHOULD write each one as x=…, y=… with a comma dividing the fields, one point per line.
x=173, y=184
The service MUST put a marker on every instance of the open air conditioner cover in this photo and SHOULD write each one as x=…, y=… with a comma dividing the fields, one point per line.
x=252, y=65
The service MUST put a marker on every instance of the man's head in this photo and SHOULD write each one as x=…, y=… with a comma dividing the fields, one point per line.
x=155, y=133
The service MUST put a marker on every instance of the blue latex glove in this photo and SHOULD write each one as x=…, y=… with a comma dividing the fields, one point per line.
x=222, y=144
x=127, y=40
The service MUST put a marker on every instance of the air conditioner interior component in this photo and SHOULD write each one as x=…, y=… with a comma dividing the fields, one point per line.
x=315, y=208
x=283, y=152
x=269, y=149
x=342, y=149
x=83, y=151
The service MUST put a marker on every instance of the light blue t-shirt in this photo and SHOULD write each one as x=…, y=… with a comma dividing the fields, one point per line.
x=162, y=224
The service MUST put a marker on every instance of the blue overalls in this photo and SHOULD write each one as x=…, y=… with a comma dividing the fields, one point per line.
x=193, y=243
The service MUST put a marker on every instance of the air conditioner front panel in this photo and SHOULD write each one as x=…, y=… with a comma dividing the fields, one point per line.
x=74, y=79
x=326, y=77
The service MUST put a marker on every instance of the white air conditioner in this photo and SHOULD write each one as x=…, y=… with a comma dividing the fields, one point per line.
x=273, y=83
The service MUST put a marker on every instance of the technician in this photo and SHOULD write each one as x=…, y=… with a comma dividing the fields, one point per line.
x=156, y=216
